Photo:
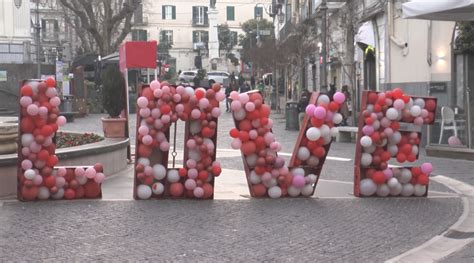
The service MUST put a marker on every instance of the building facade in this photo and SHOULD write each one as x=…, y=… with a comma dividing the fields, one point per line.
x=184, y=24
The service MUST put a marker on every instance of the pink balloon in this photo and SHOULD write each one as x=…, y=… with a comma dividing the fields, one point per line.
x=329, y=116
x=253, y=134
x=51, y=92
x=145, y=112
x=35, y=148
x=164, y=146
x=398, y=104
x=60, y=182
x=161, y=137
x=203, y=103
x=90, y=172
x=176, y=98
x=195, y=114
x=99, y=178
x=25, y=101
x=339, y=97
x=368, y=130
x=220, y=96
x=148, y=170
x=191, y=143
x=418, y=121
x=165, y=119
x=198, y=192
x=157, y=93
x=61, y=121
x=192, y=173
x=269, y=138
x=55, y=101
x=236, y=144
x=190, y=163
x=62, y=171
x=266, y=177
x=166, y=89
x=26, y=164
x=32, y=110
x=142, y=102
x=180, y=90
x=235, y=105
x=179, y=108
x=234, y=95
x=190, y=184
x=454, y=141
x=310, y=109
x=244, y=98
x=426, y=168
x=37, y=180
x=216, y=112
x=319, y=112
x=249, y=106
x=155, y=84
x=388, y=173
x=25, y=151
x=298, y=181
x=143, y=130
x=147, y=140
x=158, y=124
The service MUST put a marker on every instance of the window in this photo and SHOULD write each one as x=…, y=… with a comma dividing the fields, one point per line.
x=49, y=28
x=166, y=36
x=200, y=36
x=168, y=12
x=200, y=16
x=138, y=14
x=258, y=12
x=230, y=13
x=139, y=35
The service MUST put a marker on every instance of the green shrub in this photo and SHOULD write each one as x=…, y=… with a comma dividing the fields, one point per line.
x=113, y=95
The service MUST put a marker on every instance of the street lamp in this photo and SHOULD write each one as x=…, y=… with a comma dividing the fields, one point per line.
x=17, y=3
x=323, y=77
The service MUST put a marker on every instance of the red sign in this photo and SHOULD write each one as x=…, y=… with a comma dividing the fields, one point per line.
x=138, y=54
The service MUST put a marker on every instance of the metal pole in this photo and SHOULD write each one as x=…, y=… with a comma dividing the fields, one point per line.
x=38, y=44
x=323, y=78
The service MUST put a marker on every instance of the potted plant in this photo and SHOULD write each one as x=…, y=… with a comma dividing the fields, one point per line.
x=113, y=99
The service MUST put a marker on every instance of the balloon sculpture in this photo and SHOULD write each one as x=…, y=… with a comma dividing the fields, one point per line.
x=267, y=174
x=160, y=105
x=38, y=178
x=381, y=138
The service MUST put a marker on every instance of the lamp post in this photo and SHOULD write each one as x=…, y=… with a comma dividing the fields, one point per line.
x=323, y=76
x=38, y=42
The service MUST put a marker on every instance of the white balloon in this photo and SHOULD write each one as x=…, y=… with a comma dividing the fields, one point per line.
x=407, y=190
x=366, y=159
x=195, y=155
x=303, y=153
x=396, y=138
x=415, y=111
x=365, y=141
x=376, y=125
x=420, y=190
x=255, y=178
x=240, y=114
x=337, y=118
x=395, y=191
x=82, y=180
x=313, y=134
x=405, y=176
x=43, y=193
x=414, y=149
x=312, y=178
x=298, y=171
x=30, y=174
x=420, y=102
x=144, y=191
x=59, y=194
x=159, y=171
x=392, y=149
x=157, y=188
x=252, y=159
x=392, y=114
x=392, y=182
x=270, y=183
x=323, y=99
x=334, y=132
x=307, y=190
x=383, y=190
x=144, y=161
x=274, y=192
x=195, y=127
x=189, y=91
x=367, y=187
x=313, y=160
x=173, y=176
x=370, y=149
x=325, y=131
x=327, y=140
x=27, y=139
x=293, y=191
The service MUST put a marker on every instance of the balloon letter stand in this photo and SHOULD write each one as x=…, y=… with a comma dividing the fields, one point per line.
x=38, y=178
x=266, y=172
x=160, y=106
x=390, y=127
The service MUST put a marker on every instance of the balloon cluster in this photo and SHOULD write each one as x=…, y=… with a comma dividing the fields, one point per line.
x=316, y=140
x=382, y=139
x=268, y=175
x=160, y=105
x=39, y=121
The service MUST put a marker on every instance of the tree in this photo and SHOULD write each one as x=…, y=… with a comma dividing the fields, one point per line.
x=113, y=95
x=465, y=39
x=261, y=52
x=227, y=42
x=101, y=25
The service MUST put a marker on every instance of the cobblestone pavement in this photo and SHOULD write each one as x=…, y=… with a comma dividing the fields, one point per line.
x=309, y=230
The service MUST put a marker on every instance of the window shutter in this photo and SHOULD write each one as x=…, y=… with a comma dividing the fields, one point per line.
x=195, y=14
x=230, y=13
x=163, y=12
x=170, y=40
x=195, y=36
x=174, y=12
x=162, y=36
x=206, y=19
x=143, y=35
x=205, y=36
x=43, y=27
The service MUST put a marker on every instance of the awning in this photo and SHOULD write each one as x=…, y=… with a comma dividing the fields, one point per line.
x=366, y=34
x=447, y=10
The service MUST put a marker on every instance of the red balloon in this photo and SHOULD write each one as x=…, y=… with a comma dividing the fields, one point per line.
x=208, y=190
x=216, y=170
x=385, y=156
x=91, y=189
x=80, y=192
x=29, y=193
x=199, y=94
x=416, y=171
x=333, y=106
x=69, y=194
x=99, y=167
x=401, y=157
x=378, y=177
x=43, y=155
x=319, y=152
x=397, y=93
x=255, y=96
x=216, y=87
x=26, y=91
x=259, y=190
x=411, y=157
x=253, y=115
x=176, y=189
x=207, y=132
x=182, y=172
x=144, y=150
x=165, y=109
x=372, y=98
x=70, y=175
x=265, y=110
x=148, y=93
x=244, y=136
x=430, y=105
x=245, y=125
x=234, y=133
x=49, y=181
x=423, y=179
x=27, y=125
x=248, y=147
x=260, y=143
x=50, y=82
x=203, y=175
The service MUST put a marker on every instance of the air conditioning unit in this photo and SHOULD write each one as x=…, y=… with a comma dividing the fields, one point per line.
x=199, y=45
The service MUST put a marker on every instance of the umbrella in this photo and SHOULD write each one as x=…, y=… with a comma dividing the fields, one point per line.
x=447, y=10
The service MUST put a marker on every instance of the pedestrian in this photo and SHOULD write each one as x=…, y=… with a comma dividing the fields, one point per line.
x=252, y=82
x=232, y=78
x=346, y=107
x=241, y=80
x=244, y=88
x=228, y=101
x=302, y=104
x=261, y=88
x=332, y=91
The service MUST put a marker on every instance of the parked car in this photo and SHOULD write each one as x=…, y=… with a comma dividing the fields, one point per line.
x=187, y=76
x=218, y=76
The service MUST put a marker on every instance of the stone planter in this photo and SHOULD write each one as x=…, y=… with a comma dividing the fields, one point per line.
x=114, y=127
x=8, y=137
